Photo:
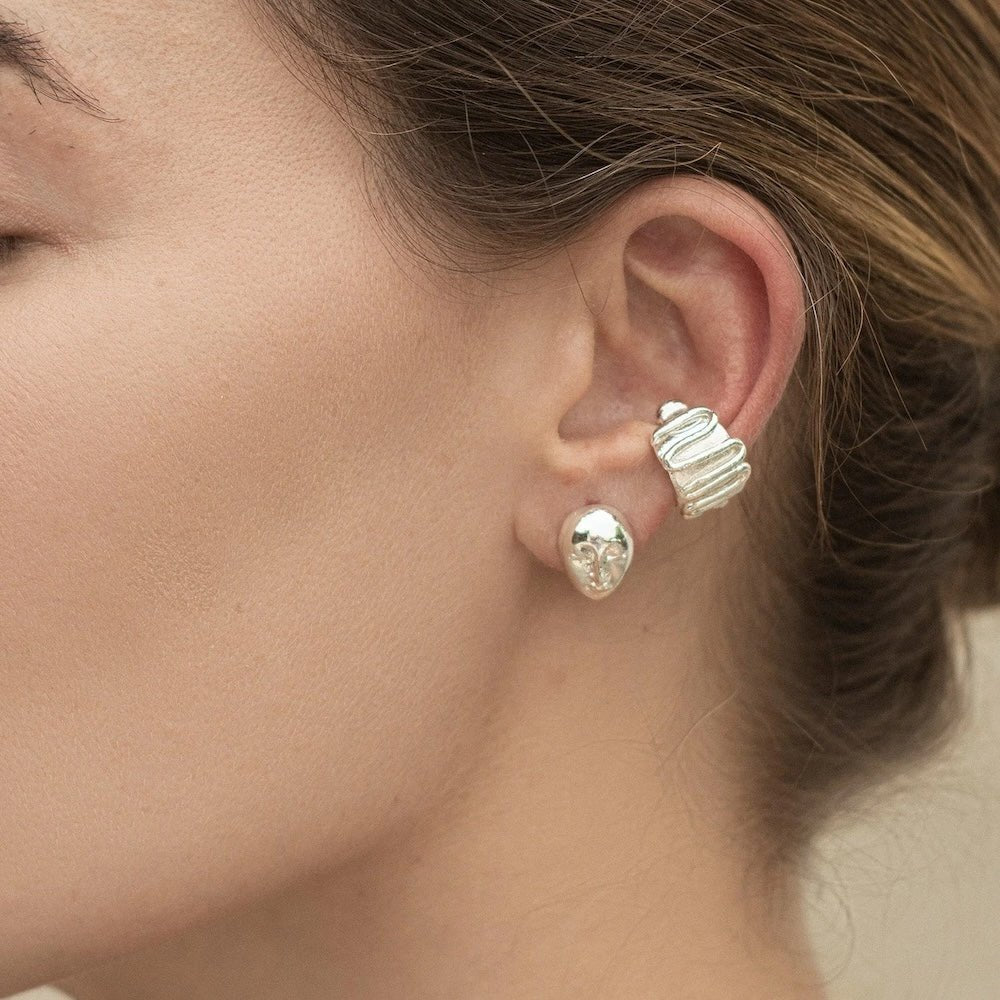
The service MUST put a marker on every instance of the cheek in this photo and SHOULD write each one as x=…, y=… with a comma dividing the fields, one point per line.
x=245, y=585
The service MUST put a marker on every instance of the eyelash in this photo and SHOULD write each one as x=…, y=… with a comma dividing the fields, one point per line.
x=9, y=246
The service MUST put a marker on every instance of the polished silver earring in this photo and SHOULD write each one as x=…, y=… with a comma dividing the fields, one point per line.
x=596, y=547
x=706, y=466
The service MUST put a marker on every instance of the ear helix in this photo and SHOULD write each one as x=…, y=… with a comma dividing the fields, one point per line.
x=706, y=466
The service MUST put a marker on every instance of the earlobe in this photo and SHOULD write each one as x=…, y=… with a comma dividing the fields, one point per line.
x=702, y=305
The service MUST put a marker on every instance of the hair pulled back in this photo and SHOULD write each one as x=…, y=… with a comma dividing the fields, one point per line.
x=872, y=131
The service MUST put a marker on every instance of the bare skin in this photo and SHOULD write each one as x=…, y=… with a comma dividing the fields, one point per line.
x=300, y=702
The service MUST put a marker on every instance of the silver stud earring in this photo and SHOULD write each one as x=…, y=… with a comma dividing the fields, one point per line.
x=706, y=466
x=596, y=547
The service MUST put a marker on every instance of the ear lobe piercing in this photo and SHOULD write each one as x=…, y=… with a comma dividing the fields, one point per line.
x=707, y=468
x=596, y=547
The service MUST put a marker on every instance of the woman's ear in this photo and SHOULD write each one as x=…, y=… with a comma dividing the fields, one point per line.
x=691, y=292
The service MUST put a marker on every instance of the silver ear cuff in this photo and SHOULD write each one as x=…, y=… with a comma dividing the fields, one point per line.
x=707, y=468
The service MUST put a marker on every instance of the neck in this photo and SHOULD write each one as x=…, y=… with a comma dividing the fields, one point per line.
x=580, y=854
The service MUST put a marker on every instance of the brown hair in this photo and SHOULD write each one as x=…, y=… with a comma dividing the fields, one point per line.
x=872, y=131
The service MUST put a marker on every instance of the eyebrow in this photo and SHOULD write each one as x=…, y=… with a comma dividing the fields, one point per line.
x=23, y=50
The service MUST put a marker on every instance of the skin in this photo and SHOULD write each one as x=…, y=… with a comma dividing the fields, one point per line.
x=298, y=699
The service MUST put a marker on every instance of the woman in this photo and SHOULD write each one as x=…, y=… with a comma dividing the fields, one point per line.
x=325, y=327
